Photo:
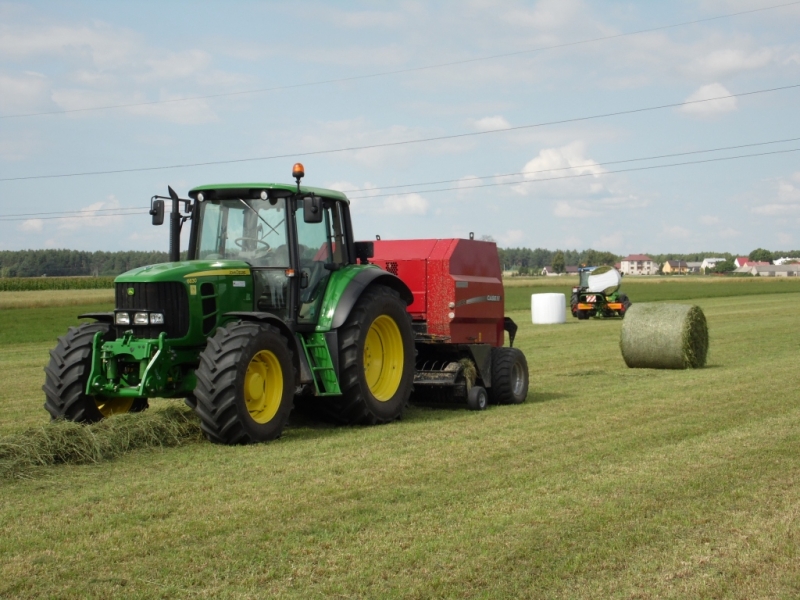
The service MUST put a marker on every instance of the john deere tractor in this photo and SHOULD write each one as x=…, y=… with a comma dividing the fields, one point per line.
x=274, y=296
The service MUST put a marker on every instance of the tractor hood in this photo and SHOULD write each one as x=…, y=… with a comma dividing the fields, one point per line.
x=182, y=270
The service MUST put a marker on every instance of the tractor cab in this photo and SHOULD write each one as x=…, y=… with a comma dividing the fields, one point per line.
x=291, y=239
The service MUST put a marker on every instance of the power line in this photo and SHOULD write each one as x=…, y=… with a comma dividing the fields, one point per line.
x=402, y=143
x=80, y=216
x=524, y=182
x=144, y=210
x=593, y=164
x=401, y=71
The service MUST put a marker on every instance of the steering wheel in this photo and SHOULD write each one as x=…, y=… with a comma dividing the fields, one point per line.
x=240, y=242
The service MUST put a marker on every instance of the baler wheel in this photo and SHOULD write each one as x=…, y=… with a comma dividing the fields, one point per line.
x=509, y=376
x=376, y=358
x=66, y=376
x=477, y=398
x=245, y=384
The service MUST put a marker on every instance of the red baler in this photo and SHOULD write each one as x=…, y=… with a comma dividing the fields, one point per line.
x=457, y=315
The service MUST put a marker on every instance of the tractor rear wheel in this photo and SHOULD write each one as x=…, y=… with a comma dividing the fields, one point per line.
x=67, y=374
x=245, y=384
x=376, y=358
x=509, y=376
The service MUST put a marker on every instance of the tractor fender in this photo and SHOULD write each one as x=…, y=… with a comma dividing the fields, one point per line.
x=298, y=355
x=101, y=317
x=359, y=283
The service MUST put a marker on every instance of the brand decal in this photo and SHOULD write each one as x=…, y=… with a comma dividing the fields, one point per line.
x=478, y=299
x=219, y=273
x=131, y=291
x=239, y=283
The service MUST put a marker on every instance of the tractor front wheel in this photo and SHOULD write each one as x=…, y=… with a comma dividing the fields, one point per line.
x=245, y=384
x=67, y=374
x=509, y=376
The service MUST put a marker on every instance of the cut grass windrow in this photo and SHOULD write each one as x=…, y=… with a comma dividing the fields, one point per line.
x=63, y=442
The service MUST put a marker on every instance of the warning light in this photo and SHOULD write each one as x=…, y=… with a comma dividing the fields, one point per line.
x=298, y=172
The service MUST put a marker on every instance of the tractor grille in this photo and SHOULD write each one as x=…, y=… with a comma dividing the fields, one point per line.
x=169, y=298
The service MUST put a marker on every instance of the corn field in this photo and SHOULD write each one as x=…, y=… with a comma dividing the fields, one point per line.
x=25, y=284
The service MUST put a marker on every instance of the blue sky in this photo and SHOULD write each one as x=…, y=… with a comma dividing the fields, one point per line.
x=62, y=56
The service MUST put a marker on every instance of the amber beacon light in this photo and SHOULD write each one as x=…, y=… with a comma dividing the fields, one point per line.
x=298, y=171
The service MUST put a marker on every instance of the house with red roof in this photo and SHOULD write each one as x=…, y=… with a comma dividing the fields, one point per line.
x=741, y=261
x=638, y=264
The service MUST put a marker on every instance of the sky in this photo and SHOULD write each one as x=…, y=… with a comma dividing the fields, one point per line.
x=506, y=87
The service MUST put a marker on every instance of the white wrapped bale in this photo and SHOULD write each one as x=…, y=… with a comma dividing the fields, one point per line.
x=548, y=309
x=606, y=280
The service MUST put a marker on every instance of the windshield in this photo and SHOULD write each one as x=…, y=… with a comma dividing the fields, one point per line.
x=244, y=229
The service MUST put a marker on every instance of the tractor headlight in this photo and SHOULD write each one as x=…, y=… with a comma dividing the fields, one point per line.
x=141, y=318
x=122, y=318
x=156, y=319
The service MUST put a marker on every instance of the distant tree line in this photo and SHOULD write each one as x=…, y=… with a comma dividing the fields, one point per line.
x=69, y=263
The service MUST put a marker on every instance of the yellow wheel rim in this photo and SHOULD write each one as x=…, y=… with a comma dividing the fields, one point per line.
x=383, y=358
x=263, y=386
x=109, y=407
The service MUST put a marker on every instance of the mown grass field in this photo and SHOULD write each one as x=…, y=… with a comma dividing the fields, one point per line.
x=607, y=483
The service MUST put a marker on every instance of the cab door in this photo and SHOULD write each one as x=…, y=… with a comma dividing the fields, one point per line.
x=321, y=250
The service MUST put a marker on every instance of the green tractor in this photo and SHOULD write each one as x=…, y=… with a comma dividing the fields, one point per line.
x=597, y=294
x=275, y=296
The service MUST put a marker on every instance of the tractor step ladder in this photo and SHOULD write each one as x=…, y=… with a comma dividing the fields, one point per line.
x=319, y=359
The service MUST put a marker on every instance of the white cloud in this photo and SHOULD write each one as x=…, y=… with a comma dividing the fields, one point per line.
x=491, y=123
x=613, y=241
x=728, y=233
x=568, y=159
x=23, y=92
x=786, y=199
x=732, y=60
x=93, y=215
x=773, y=210
x=31, y=225
x=510, y=238
x=409, y=204
x=676, y=231
x=709, y=220
x=573, y=210
x=711, y=108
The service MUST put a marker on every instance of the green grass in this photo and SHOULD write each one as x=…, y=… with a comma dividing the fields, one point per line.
x=608, y=483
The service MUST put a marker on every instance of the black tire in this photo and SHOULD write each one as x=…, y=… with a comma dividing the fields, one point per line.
x=582, y=315
x=245, y=384
x=66, y=376
x=358, y=403
x=477, y=399
x=509, y=376
x=626, y=304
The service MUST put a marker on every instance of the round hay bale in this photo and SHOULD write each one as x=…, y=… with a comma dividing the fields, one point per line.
x=664, y=336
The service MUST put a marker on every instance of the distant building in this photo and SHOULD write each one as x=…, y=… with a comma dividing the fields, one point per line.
x=741, y=261
x=694, y=267
x=771, y=270
x=785, y=260
x=675, y=267
x=571, y=270
x=638, y=264
x=710, y=263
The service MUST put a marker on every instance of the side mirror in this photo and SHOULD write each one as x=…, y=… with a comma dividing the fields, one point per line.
x=312, y=209
x=157, y=212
